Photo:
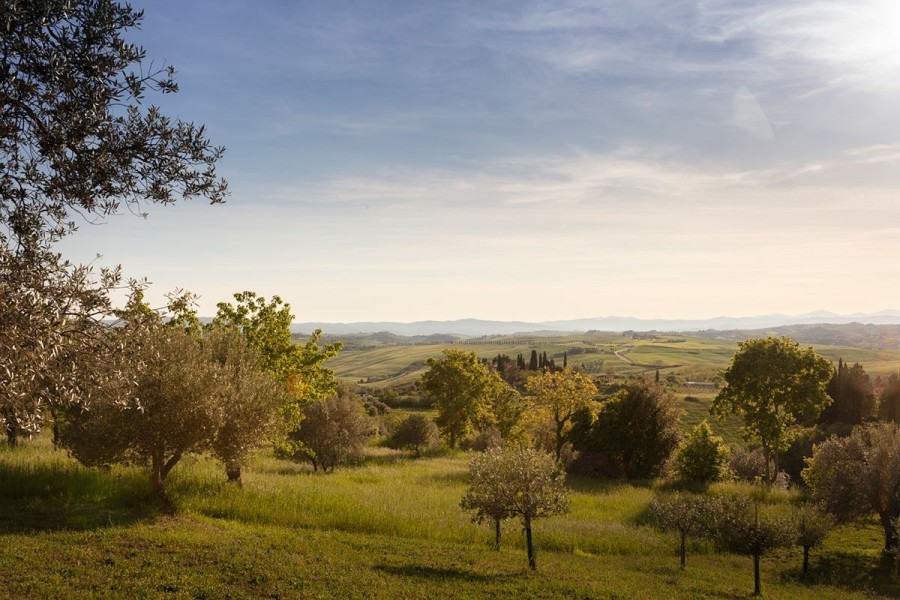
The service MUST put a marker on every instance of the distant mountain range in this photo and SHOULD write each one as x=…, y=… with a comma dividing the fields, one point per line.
x=478, y=327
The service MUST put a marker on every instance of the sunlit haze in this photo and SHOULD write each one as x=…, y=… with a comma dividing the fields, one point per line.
x=531, y=160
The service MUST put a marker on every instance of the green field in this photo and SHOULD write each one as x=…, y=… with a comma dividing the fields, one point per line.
x=388, y=528
x=694, y=358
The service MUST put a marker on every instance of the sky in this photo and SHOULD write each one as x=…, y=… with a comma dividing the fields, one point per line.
x=530, y=160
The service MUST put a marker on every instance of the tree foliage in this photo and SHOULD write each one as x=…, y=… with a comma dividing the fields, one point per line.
x=171, y=407
x=54, y=344
x=559, y=395
x=637, y=429
x=889, y=405
x=266, y=324
x=852, y=477
x=774, y=385
x=76, y=132
x=739, y=527
x=690, y=515
x=416, y=433
x=853, y=398
x=333, y=431
x=461, y=387
x=702, y=456
x=521, y=482
x=249, y=399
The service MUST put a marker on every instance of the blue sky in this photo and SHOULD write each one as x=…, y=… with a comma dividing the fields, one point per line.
x=531, y=160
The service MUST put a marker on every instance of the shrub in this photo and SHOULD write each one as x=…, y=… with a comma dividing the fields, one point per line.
x=332, y=432
x=485, y=440
x=702, y=457
x=416, y=433
x=747, y=464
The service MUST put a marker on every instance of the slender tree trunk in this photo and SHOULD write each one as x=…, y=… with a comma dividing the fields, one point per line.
x=12, y=437
x=768, y=459
x=559, y=438
x=683, y=552
x=805, y=560
x=497, y=533
x=756, y=587
x=531, y=558
x=891, y=542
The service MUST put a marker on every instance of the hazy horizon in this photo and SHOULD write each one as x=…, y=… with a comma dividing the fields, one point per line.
x=530, y=161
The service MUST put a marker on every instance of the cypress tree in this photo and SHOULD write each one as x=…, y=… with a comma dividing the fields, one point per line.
x=533, y=363
x=565, y=359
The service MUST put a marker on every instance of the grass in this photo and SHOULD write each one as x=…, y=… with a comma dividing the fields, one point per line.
x=388, y=528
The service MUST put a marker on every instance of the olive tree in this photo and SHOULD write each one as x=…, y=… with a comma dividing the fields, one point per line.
x=416, y=433
x=516, y=482
x=54, y=342
x=774, y=385
x=740, y=528
x=854, y=476
x=249, y=400
x=333, y=431
x=171, y=407
x=811, y=526
x=689, y=515
x=78, y=136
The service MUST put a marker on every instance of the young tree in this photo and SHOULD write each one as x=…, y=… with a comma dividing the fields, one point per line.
x=333, y=432
x=774, y=385
x=416, y=433
x=854, y=476
x=740, y=528
x=489, y=493
x=559, y=395
x=702, y=457
x=810, y=528
x=516, y=482
x=461, y=387
x=689, y=515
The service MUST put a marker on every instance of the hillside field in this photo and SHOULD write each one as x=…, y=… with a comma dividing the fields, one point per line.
x=694, y=358
x=390, y=527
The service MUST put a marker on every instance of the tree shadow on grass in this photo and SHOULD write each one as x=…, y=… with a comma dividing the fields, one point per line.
x=56, y=496
x=852, y=571
x=438, y=573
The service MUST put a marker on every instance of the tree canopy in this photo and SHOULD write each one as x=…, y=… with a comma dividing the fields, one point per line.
x=76, y=132
x=461, y=386
x=559, y=394
x=775, y=385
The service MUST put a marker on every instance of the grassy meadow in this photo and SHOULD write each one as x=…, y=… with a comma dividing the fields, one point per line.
x=390, y=527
